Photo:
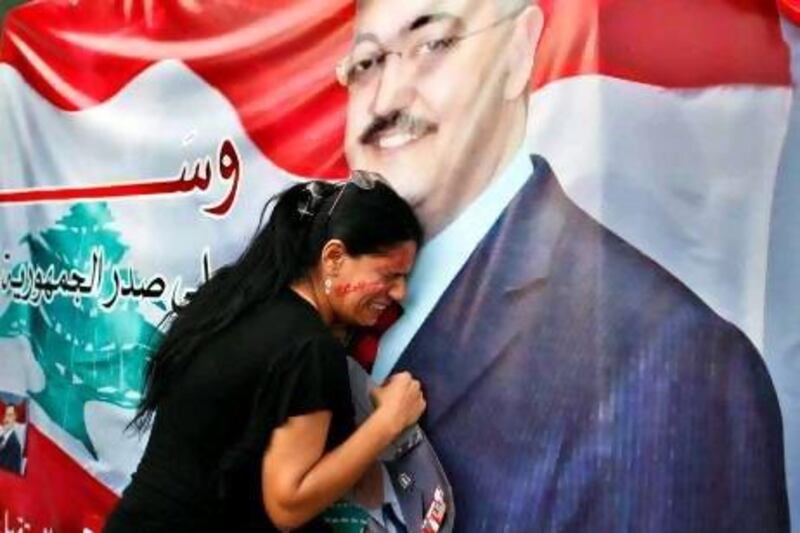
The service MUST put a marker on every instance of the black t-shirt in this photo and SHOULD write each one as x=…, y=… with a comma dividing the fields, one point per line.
x=201, y=470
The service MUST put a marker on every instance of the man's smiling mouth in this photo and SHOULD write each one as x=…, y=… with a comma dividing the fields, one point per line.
x=396, y=139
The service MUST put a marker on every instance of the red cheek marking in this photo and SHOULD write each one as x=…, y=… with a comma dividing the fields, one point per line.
x=343, y=289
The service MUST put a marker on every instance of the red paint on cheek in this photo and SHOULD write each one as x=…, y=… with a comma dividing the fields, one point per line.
x=343, y=289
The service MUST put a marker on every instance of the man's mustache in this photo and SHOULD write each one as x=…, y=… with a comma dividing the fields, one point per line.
x=402, y=121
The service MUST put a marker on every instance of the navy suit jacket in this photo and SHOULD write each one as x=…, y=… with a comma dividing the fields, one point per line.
x=575, y=385
x=11, y=455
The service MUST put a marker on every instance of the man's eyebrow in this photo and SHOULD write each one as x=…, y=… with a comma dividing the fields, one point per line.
x=431, y=18
x=367, y=36
x=417, y=23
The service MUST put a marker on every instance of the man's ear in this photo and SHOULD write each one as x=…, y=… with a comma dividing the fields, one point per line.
x=524, y=40
x=332, y=257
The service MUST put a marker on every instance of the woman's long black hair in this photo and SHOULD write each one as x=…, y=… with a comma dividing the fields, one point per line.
x=303, y=219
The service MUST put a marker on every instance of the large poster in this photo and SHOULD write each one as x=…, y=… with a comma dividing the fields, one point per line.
x=604, y=313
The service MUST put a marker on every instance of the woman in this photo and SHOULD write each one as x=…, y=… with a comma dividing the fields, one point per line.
x=252, y=422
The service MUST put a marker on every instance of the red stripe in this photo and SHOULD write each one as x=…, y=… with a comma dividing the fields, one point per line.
x=55, y=492
x=282, y=84
x=671, y=43
x=791, y=9
x=89, y=193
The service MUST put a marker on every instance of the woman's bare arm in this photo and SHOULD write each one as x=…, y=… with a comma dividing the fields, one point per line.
x=299, y=480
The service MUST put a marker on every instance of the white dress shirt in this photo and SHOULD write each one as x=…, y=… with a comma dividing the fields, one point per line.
x=390, y=497
x=440, y=259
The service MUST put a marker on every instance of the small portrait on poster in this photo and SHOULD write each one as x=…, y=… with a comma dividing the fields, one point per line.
x=13, y=432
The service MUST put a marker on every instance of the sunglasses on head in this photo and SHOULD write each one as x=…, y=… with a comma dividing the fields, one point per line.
x=363, y=179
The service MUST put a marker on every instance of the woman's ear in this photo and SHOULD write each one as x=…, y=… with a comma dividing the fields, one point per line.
x=333, y=254
x=525, y=39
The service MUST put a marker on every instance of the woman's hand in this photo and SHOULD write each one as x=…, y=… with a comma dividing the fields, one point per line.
x=399, y=402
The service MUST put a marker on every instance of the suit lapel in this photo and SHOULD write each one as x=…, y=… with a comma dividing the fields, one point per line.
x=469, y=328
x=411, y=499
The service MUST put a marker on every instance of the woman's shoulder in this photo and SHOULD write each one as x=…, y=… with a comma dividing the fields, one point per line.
x=282, y=319
x=289, y=307
x=287, y=324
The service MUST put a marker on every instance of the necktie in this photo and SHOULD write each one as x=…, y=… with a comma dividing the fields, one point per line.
x=389, y=517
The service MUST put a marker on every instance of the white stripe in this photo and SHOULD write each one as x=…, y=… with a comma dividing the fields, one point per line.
x=685, y=176
x=138, y=134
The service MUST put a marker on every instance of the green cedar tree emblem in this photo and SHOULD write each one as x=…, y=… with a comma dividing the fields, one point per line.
x=87, y=351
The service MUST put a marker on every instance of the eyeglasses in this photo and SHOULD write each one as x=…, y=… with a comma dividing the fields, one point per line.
x=360, y=69
x=363, y=179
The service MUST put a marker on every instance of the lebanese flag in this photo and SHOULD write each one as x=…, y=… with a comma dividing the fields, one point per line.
x=670, y=121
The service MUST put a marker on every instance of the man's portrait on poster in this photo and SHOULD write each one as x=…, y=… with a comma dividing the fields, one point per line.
x=568, y=375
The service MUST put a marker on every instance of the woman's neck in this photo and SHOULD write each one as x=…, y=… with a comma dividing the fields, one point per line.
x=314, y=294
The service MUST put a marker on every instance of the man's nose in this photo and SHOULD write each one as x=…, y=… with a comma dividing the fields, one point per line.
x=394, y=86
